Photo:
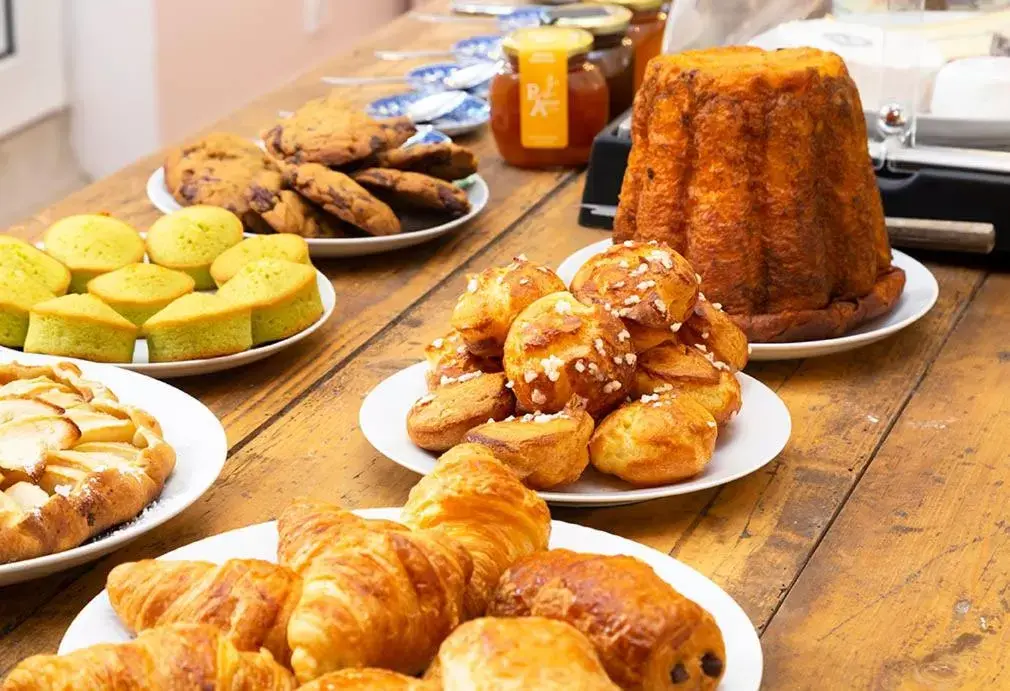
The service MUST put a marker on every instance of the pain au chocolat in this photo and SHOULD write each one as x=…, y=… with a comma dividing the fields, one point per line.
x=754, y=166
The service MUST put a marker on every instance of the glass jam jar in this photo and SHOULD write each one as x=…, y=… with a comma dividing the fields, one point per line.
x=648, y=22
x=613, y=52
x=548, y=102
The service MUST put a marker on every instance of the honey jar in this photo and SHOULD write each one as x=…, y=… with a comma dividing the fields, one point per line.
x=549, y=101
x=648, y=22
x=613, y=52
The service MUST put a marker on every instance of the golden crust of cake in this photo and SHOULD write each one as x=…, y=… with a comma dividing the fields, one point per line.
x=113, y=464
x=559, y=348
x=84, y=308
x=545, y=451
x=280, y=246
x=647, y=284
x=753, y=165
x=16, y=254
x=656, y=440
x=687, y=371
x=449, y=358
x=495, y=297
x=439, y=420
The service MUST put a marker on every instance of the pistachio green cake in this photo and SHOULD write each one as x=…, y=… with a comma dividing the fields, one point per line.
x=17, y=254
x=283, y=296
x=18, y=293
x=280, y=246
x=139, y=291
x=198, y=326
x=189, y=240
x=80, y=326
x=91, y=245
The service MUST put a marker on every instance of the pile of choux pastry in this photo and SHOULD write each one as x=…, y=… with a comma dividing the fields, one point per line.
x=630, y=369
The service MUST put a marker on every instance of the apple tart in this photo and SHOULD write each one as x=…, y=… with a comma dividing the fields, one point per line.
x=74, y=461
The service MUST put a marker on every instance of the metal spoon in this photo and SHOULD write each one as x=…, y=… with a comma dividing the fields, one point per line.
x=435, y=106
x=471, y=76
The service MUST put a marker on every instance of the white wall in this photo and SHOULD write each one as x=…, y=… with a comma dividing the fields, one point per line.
x=32, y=83
x=113, y=79
x=145, y=73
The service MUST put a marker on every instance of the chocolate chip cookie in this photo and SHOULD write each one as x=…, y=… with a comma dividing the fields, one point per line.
x=330, y=132
x=288, y=212
x=344, y=198
x=416, y=190
x=446, y=161
x=217, y=170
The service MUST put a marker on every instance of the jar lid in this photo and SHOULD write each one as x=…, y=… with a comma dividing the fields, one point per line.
x=616, y=20
x=636, y=5
x=568, y=40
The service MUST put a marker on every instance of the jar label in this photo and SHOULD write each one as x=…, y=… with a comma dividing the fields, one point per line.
x=543, y=98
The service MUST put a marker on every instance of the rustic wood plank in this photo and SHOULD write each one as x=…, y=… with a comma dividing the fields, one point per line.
x=317, y=449
x=909, y=588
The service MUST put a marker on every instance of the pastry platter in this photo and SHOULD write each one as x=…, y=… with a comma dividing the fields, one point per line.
x=755, y=437
x=476, y=191
x=98, y=623
x=189, y=427
x=920, y=294
x=187, y=368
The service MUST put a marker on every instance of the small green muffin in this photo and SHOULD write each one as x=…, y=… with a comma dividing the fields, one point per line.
x=284, y=297
x=280, y=246
x=17, y=254
x=139, y=291
x=80, y=326
x=18, y=293
x=190, y=239
x=91, y=245
x=198, y=326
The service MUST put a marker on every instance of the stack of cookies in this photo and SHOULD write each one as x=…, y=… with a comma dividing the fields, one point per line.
x=329, y=171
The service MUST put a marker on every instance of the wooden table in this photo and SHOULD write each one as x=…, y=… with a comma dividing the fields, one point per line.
x=867, y=554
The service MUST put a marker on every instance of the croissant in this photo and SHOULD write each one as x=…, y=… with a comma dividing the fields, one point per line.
x=181, y=657
x=374, y=593
x=248, y=600
x=367, y=680
x=475, y=499
x=649, y=636
x=518, y=654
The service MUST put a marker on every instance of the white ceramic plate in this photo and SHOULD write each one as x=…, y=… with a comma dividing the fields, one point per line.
x=920, y=294
x=193, y=431
x=477, y=192
x=751, y=440
x=97, y=622
x=187, y=368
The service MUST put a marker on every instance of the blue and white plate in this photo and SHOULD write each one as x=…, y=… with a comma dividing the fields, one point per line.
x=473, y=114
x=520, y=18
x=477, y=48
x=431, y=77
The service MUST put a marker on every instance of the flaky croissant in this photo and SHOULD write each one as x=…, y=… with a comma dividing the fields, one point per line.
x=518, y=655
x=181, y=657
x=368, y=680
x=479, y=502
x=649, y=636
x=374, y=593
x=247, y=599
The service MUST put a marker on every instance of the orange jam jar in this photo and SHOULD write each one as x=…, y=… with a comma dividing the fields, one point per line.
x=648, y=22
x=549, y=101
x=613, y=52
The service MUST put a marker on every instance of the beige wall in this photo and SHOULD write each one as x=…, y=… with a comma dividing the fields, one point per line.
x=215, y=55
